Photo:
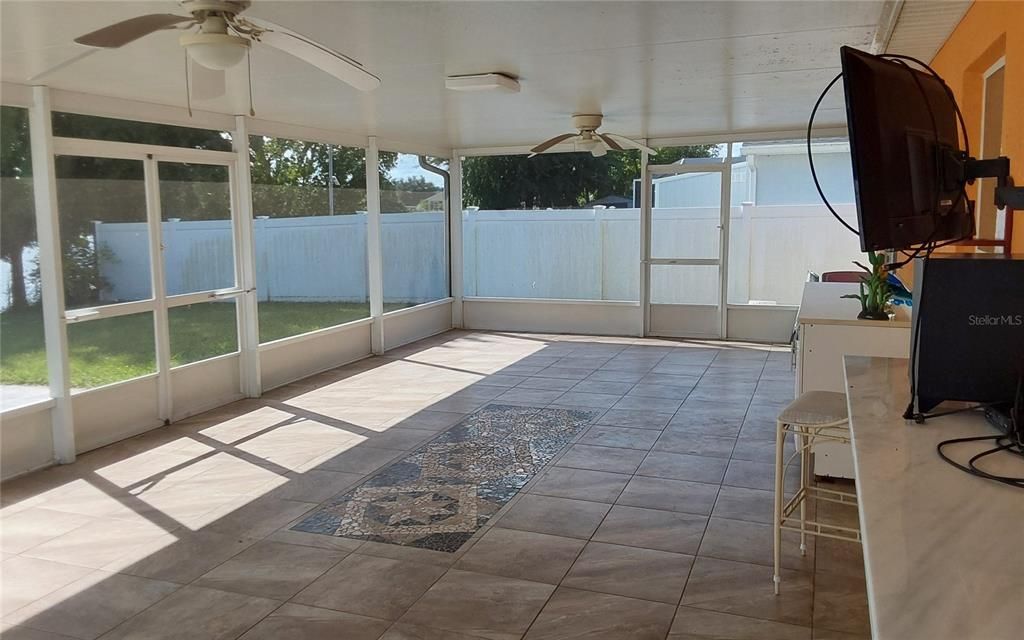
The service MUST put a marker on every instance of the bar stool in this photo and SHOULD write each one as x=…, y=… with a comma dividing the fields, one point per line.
x=814, y=416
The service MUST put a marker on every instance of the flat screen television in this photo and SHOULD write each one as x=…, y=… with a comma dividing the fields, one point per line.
x=904, y=144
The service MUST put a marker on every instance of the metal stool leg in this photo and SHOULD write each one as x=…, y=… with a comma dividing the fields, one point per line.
x=780, y=441
x=804, y=442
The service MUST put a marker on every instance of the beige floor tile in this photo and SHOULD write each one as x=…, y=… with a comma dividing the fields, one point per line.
x=103, y=543
x=574, y=398
x=752, y=505
x=695, y=444
x=679, y=466
x=573, y=613
x=642, y=403
x=478, y=604
x=370, y=586
x=522, y=554
x=318, y=540
x=547, y=384
x=257, y=518
x=629, y=571
x=830, y=634
x=698, y=624
x=617, y=375
x=606, y=387
x=361, y=459
x=670, y=495
x=652, y=529
x=841, y=603
x=23, y=530
x=598, y=458
x=314, y=486
x=751, y=542
x=839, y=556
x=299, y=622
x=25, y=580
x=758, y=475
x=606, y=436
x=556, y=516
x=636, y=419
x=746, y=589
x=400, y=438
x=195, y=613
x=538, y=397
x=26, y=633
x=581, y=484
x=271, y=570
x=430, y=420
x=185, y=556
x=92, y=605
x=401, y=631
x=410, y=554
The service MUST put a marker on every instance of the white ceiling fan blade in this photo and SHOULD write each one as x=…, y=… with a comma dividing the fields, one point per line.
x=207, y=84
x=547, y=144
x=626, y=142
x=121, y=33
x=328, y=60
x=60, y=65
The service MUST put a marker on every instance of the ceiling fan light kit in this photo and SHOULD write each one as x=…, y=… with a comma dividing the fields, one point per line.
x=216, y=51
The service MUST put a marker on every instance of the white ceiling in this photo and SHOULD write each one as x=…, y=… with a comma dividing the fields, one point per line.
x=654, y=69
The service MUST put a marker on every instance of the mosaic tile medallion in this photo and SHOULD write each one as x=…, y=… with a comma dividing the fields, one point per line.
x=441, y=493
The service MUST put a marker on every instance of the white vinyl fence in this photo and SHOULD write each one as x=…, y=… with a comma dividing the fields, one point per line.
x=585, y=254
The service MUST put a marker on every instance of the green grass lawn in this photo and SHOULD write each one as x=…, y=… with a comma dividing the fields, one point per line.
x=115, y=349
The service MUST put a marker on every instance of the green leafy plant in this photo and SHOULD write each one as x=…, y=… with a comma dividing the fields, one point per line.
x=875, y=292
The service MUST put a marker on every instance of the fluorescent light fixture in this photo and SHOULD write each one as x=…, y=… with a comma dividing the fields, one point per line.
x=482, y=82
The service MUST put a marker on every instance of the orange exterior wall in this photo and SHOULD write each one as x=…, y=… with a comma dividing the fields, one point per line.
x=990, y=30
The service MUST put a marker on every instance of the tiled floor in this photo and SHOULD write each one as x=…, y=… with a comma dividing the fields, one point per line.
x=654, y=522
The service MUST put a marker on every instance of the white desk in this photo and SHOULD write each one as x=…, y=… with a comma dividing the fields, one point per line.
x=828, y=329
x=943, y=550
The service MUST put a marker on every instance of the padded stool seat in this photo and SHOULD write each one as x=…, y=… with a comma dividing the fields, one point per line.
x=815, y=409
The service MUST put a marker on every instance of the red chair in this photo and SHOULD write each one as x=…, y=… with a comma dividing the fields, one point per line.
x=842, y=276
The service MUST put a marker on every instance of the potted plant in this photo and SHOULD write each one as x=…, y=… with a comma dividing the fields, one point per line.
x=875, y=292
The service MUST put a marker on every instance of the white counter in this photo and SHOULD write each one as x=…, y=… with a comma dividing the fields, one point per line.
x=943, y=550
x=823, y=303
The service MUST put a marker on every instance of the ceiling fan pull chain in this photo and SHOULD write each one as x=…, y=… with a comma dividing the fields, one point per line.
x=188, y=88
x=248, y=63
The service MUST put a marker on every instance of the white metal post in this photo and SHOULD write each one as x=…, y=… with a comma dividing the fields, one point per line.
x=645, y=244
x=374, y=266
x=161, y=324
x=455, y=210
x=44, y=189
x=723, y=244
x=245, y=262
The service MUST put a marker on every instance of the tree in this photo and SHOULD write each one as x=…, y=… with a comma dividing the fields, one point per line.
x=559, y=179
x=18, y=223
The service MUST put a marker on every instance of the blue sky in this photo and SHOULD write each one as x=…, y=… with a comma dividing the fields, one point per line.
x=409, y=165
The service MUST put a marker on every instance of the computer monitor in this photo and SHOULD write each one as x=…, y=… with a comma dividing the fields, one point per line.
x=905, y=151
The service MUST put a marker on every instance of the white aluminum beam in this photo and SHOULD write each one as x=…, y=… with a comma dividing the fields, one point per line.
x=374, y=266
x=51, y=276
x=240, y=178
x=456, y=286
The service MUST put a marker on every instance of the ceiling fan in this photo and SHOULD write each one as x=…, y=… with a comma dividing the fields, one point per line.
x=587, y=138
x=222, y=40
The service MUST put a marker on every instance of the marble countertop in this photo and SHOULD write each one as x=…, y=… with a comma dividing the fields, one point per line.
x=943, y=550
x=822, y=304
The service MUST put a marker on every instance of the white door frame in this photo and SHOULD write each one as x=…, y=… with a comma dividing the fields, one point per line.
x=160, y=302
x=652, y=171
